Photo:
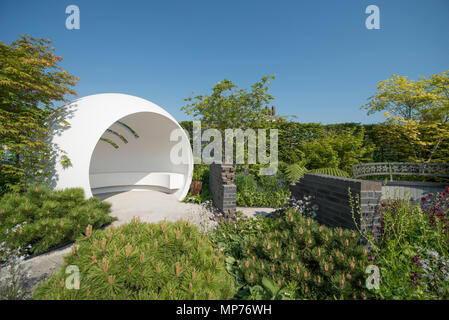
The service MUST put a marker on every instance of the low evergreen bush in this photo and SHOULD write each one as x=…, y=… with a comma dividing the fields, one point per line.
x=144, y=261
x=40, y=219
x=303, y=258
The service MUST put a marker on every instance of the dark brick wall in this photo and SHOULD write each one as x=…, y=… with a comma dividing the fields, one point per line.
x=332, y=197
x=223, y=189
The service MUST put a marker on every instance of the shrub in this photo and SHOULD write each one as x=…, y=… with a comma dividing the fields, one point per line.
x=43, y=219
x=413, y=252
x=337, y=149
x=270, y=191
x=12, y=272
x=201, y=173
x=144, y=261
x=246, y=182
x=305, y=259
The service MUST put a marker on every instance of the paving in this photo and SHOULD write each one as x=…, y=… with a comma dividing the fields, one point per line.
x=153, y=206
x=255, y=212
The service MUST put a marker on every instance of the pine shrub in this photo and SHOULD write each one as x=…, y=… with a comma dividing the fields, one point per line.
x=143, y=261
x=321, y=262
x=42, y=219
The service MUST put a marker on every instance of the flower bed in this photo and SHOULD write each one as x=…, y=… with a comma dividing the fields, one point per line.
x=413, y=253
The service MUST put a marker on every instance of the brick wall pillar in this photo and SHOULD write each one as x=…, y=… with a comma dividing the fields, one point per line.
x=223, y=189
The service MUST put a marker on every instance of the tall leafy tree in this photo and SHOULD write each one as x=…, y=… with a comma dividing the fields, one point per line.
x=424, y=99
x=417, y=112
x=31, y=81
x=230, y=107
x=437, y=88
x=399, y=96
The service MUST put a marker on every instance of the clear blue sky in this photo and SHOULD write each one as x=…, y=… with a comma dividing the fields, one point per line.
x=325, y=61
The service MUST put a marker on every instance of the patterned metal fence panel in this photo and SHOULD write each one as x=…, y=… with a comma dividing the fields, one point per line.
x=401, y=168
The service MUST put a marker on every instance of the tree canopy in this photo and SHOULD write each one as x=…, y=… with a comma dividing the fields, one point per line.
x=423, y=99
x=417, y=112
x=31, y=81
x=230, y=107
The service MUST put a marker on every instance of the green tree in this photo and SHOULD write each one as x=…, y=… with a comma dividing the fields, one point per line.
x=30, y=83
x=418, y=127
x=231, y=107
x=399, y=96
x=437, y=88
x=426, y=99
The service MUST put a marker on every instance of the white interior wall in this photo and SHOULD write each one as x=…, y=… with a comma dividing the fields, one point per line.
x=148, y=153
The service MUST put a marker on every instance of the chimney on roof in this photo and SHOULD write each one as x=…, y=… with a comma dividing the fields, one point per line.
x=273, y=110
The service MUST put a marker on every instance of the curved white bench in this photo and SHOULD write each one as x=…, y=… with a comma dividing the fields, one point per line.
x=168, y=180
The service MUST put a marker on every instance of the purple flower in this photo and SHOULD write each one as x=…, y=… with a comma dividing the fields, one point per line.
x=414, y=279
x=416, y=261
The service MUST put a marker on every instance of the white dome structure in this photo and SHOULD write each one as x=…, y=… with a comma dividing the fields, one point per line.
x=117, y=142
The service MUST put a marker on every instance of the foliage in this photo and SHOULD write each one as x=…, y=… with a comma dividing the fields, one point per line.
x=45, y=219
x=144, y=261
x=415, y=141
x=269, y=290
x=306, y=259
x=13, y=273
x=437, y=208
x=437, y=88
x=418, y=127
x=291, y=137
x=246, y=182
x=229, y=236
x=201, y=173
x=337, y=150
x=30, y=82
x=230, y=107
x=413, y=252
x=315, y=145
x=109, y=141
x=424, y=99
x=294, y=172
x=400, y=96
x=269, y=191
x=331, y=172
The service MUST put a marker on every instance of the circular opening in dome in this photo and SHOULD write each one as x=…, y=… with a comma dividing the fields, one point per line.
x=134, y=154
